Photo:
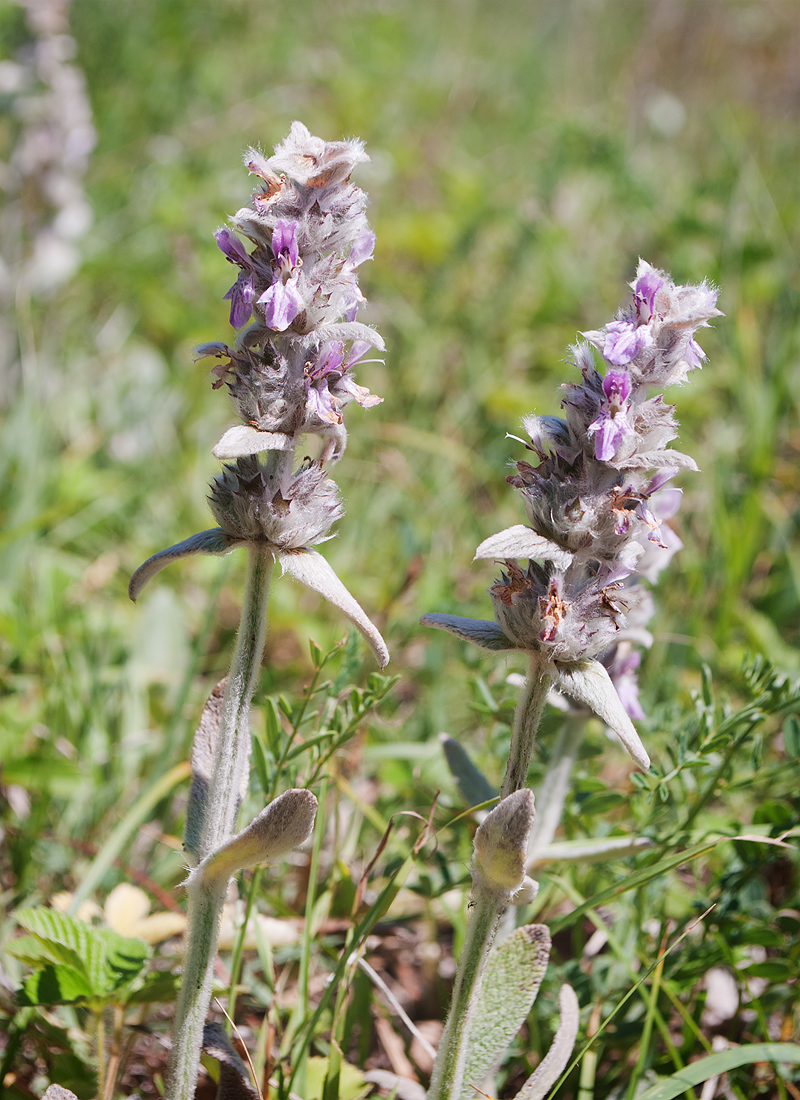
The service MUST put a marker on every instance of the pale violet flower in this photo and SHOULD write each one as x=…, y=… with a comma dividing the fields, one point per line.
x=570, y=590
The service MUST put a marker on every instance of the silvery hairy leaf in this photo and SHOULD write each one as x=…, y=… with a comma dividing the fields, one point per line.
x=554, y=1062
x=213, y=541
x=243, y=440
x=588, y=682
x=482, y=632
x=312, y=570
x=513, y=974
x=280, y=828
x=520, y=541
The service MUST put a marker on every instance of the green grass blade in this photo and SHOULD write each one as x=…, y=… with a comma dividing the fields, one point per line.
x=714, y=1064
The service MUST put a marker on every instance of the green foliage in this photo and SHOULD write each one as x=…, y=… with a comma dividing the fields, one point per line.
x=521, y=162
x=75, y=963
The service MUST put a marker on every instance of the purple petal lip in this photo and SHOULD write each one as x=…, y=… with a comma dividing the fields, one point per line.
x=624, y=340
x=646, y=289
x=241, y=297
x=233, y=248
x=694, y=355
x=617, y=386
x=282, y=302
x=362, y=248
x=284, y=241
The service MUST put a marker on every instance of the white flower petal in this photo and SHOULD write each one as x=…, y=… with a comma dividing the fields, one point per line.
x=243, y=440
x=590, y=684
x=312, y=570
x=213, y=541
x=520, y=541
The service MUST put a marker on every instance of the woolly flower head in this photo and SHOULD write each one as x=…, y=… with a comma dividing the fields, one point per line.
x=296, y=297
x=596, y=495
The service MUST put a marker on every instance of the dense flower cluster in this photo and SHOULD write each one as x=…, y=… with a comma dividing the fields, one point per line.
x=289, y=371
x=598, y=495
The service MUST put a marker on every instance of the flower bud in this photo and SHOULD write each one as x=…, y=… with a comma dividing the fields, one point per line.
x=501, y=843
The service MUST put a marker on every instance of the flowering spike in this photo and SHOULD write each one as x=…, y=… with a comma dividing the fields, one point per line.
x=570, y=590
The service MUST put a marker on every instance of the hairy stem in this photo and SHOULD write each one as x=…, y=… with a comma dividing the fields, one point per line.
x=489, y=904
x=552, y=793
x=533, y=697
x=447, y=1079
x=222, y=805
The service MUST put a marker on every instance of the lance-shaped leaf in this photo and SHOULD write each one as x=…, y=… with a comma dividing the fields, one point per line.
x=312, y=570
x=588, y=682
x=552, y=1065
x=520, y=541
x=243, y=440
x=475, y=788
x=213, y=541
x=234, y=1077
x=204, y=752
x=513, y=974
x=597, y=850
x=280, y=828
x=482, y=632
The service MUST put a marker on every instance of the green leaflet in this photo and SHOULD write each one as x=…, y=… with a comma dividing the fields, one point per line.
x=80, y=962
x=514, y=972
x=714, y=1064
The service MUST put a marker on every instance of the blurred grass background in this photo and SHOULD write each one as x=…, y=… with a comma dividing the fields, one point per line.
x=524, y=154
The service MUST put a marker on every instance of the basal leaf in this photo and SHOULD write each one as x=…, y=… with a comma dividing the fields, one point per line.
x=511, y=981
x=35, y=952
x=472, y=783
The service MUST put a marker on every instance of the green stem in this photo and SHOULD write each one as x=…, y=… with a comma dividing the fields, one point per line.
x=488, y=905
x=448, y=1072
x=222, y=804
x=526, y=724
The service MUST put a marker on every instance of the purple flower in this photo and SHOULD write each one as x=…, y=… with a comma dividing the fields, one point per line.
x=241, y=297
x=694, y=355
x=624, y=340
x=233, y=248
x=284, y=243
x=362, y=248
x=612, y=423
x=644, y=293
x=283, y=301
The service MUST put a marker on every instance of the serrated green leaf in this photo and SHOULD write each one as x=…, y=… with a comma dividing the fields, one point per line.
x=125, y=955
x=105, y=959
x=35, y=952
x=71, y=939
x=54, y=984
x=705, y=1068
x=513, y=974
x=158, y=988
x=475, y=788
